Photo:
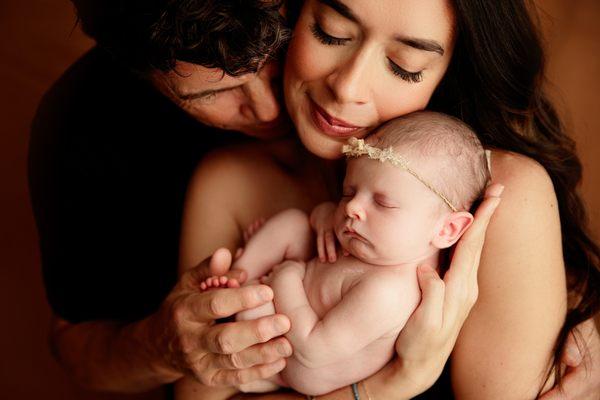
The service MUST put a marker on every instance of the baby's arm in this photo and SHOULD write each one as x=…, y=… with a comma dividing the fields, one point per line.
x=374, y=307
x=285, y=236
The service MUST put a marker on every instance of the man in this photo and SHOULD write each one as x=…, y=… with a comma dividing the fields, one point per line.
x=113, y=144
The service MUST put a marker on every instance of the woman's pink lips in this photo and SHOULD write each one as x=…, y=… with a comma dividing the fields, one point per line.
x=330, y=125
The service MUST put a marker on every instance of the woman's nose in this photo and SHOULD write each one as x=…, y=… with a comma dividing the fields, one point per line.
x=354, y=210
x=351, y=81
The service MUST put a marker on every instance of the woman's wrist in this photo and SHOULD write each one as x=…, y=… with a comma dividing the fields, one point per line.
x=392, y=382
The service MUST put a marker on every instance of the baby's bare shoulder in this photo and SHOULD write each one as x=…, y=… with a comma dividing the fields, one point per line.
x=390, y=284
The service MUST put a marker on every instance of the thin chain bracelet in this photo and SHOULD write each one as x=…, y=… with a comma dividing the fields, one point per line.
x=355, y=392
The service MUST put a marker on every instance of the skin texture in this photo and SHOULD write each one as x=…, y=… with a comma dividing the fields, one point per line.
x=508, y=338
x=247, y=103
x=354, y=81
x=130, y=358
x=388, y=217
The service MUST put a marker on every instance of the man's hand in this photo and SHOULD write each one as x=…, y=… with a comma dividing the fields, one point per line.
x=581, y=359
x=230, y=353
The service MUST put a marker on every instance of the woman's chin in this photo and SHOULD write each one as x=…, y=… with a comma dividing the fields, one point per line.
x=321, y=145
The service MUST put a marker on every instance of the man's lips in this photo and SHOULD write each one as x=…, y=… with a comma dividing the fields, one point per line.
x=330, y=125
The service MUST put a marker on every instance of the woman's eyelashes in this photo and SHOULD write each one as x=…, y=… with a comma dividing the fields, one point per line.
x=413, y=77
x=327, y=39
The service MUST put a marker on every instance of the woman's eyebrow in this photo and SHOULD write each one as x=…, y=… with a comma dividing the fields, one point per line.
x=421, y=44
x=341, y=8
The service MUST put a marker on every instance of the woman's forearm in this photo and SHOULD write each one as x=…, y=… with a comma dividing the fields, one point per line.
x=108, y=356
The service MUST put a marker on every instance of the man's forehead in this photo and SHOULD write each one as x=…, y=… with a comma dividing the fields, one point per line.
x=187, y=77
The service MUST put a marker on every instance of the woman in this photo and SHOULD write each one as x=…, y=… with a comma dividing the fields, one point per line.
x=351, y=66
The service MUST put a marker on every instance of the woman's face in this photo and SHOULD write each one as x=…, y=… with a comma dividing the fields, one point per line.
x=353, y=64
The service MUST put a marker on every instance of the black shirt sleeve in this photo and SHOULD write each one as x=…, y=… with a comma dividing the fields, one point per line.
x=109, y=161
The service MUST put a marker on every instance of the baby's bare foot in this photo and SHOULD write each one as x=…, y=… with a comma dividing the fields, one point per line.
x=253, y=228
x=215, y=282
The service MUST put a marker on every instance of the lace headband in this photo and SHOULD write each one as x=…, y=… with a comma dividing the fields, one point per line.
x=358, y=147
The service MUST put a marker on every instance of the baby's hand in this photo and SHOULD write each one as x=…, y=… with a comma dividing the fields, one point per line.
x=321, y=219
x=215, y=282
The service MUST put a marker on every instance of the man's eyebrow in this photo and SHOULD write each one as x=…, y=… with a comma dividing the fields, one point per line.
x=421, y=44
x=341, y=8
x=204, y=93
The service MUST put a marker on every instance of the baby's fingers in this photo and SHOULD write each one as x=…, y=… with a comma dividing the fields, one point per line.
x=321, y=246
x=330, y=246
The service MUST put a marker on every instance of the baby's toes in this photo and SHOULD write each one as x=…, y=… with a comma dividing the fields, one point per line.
x=233, y=283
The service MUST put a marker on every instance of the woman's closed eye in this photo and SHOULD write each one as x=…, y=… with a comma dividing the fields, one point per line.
x=413, y=77
x=326, y=38
x=329, y=40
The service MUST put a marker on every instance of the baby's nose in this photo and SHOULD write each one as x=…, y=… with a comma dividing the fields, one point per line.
x=354, y=210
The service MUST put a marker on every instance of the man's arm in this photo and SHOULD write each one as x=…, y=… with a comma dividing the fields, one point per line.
x=180, y=338
x=109, y=356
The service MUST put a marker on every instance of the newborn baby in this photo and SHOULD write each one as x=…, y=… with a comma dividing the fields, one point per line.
x=406, y=196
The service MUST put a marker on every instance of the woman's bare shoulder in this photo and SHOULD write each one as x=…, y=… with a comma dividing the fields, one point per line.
x=519, y=172
x=522, y=294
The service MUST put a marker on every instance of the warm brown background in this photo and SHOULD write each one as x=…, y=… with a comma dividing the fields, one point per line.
x=38, y=41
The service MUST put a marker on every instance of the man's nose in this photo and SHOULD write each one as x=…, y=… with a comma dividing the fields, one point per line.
x=263, y=104
x=351, y=80
x=355, y=210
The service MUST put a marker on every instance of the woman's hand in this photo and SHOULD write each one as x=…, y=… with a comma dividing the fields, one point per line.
x=427, y=339
x=581, y=360
x=219, y=354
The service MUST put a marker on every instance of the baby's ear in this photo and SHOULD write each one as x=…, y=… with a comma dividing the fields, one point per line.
x=453, y=227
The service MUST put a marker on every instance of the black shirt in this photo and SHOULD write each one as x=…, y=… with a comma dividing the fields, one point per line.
x=109, y=161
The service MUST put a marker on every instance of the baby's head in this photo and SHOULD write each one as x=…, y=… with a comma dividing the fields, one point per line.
x=409, y=187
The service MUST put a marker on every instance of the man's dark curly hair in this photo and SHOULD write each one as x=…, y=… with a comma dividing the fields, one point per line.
x=234, y=35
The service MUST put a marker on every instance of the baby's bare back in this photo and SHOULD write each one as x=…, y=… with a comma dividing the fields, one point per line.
x=329, y=286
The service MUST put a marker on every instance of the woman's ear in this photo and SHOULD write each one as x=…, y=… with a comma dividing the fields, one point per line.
x=453, y=227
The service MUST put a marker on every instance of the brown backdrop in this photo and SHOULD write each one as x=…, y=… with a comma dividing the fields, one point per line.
x=38, y=41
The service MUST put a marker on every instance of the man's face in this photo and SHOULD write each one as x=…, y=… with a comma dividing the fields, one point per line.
x=247, y=103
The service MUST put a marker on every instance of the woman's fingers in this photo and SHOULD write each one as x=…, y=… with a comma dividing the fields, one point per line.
x=465, y=260
x=571, y=355
x=430, y=310
x=233, y=337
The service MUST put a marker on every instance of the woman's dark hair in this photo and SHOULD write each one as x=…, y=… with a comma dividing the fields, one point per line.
x=234, y=35
x=495, y=83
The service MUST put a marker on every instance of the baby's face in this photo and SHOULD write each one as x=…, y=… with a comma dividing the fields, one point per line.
x=386, y=216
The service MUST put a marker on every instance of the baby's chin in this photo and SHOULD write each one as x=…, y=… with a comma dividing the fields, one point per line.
x=358, y=250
